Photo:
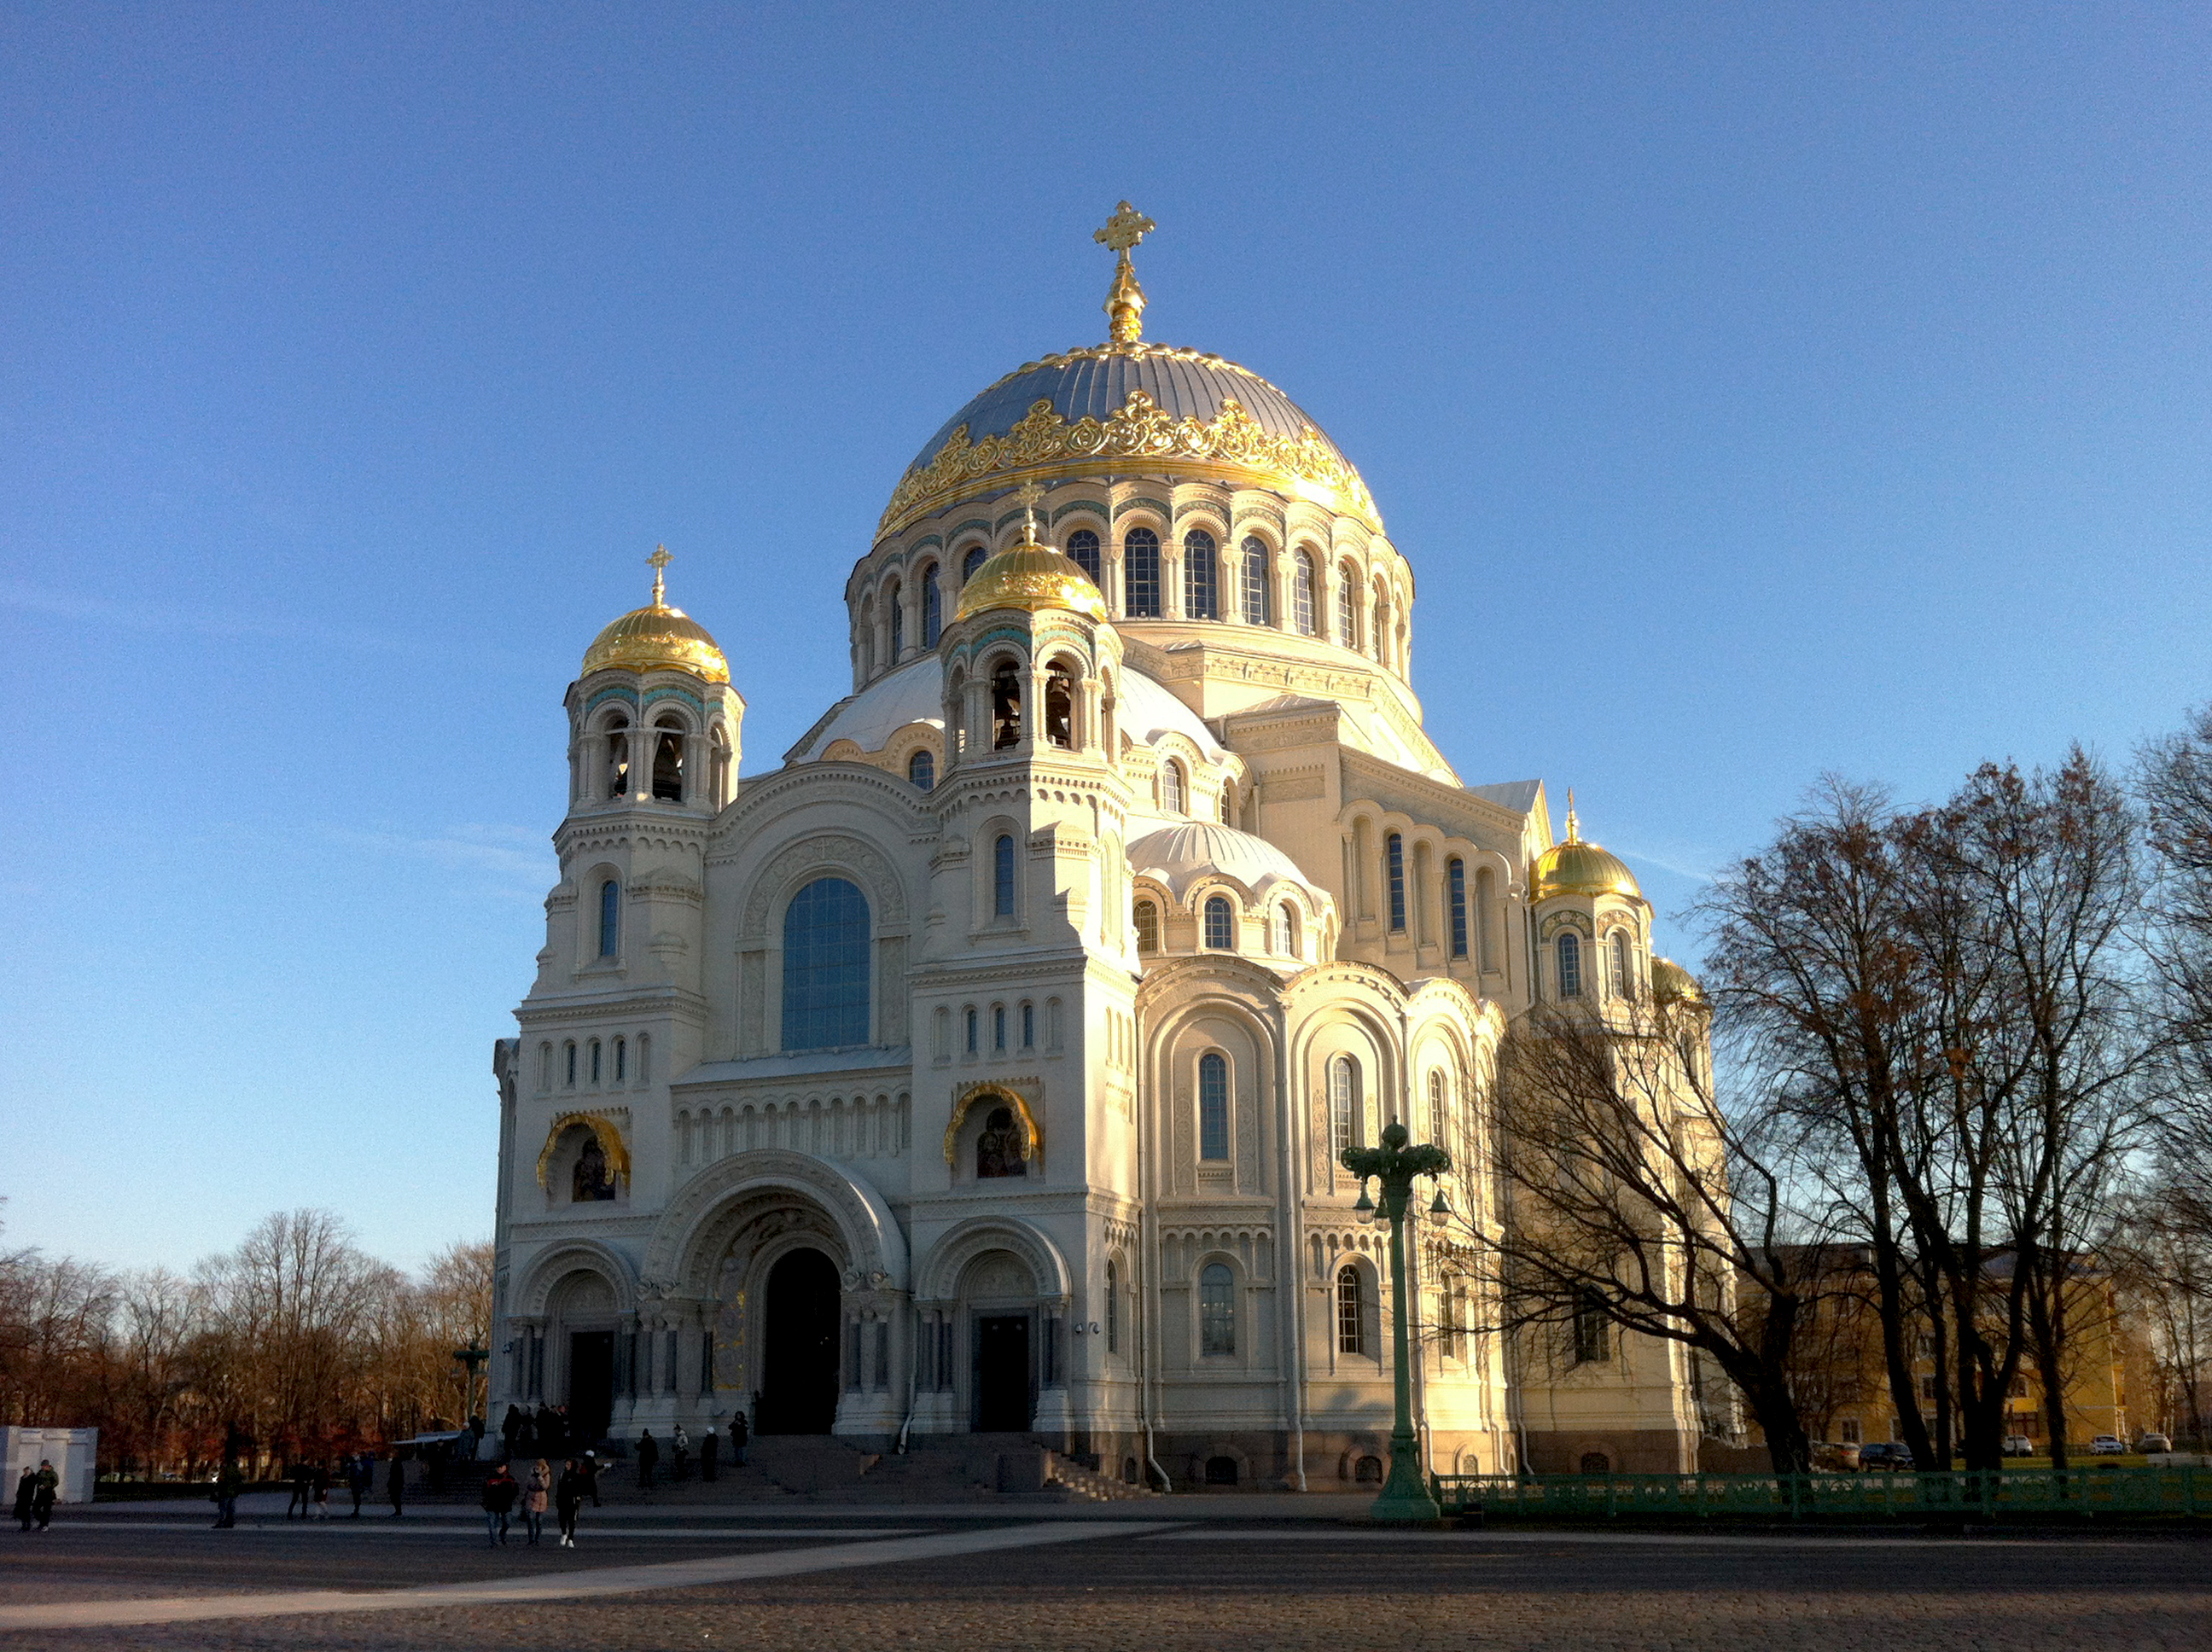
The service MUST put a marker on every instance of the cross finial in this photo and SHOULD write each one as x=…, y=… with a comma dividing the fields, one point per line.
x=660, y=560
x=1125, y=300
x=1574, y=826
x=1029, y=494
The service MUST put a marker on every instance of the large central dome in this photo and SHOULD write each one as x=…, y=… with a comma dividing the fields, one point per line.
x=1128, y=406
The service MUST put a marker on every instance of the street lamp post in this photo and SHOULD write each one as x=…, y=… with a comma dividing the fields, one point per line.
x=473, y=1358
x=1393, y=1164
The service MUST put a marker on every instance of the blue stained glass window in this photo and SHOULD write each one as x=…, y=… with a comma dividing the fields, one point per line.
x=825, y=967
x=1140, y=574
x=921, y=769
x=933, y=608
x=1258, y=598
x=973, y=561
x=1394, y=849
x=1220, y=922
x=1303, y=595
x=1201, y=576
x=971, y=1030
x=1217, y=1310
x=610, y=919
x=1002, y=877
x=1571, y=966
x=1457, y=870
x=1212, y=1107
x=1083, y=549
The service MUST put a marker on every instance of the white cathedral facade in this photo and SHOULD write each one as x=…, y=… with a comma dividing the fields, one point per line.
x=984, y=1068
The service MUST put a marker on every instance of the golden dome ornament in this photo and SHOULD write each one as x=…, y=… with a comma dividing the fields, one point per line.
x=1575, y=867
x=658, y=638
x=1125, y=300
x=1030, y=576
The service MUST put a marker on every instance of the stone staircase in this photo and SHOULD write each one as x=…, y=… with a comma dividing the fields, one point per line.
x=821, y=1468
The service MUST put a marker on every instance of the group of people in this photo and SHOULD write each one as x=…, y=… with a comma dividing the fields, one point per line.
x=579, y=1479
x=679, y=1464
x=34, y=1495
x=545, y=1432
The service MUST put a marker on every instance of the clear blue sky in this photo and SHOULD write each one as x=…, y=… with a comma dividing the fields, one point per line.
x=1756, y=391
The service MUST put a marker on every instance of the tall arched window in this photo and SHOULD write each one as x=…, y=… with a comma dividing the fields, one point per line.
x=610, y=919
x=1344, y=1109
x=1302, y=595
x=1286, y=932
x=1257, y=594
x=971, y=561
x=1002, y=877
x=1455, y=876
x=1571, y=966
x=618, y=738
x=1347, y=606
x=1225, y=807
x=1148, y=927
x=1394, y=854
x=622, y=1061
x=933, y=608
x=1140, y=574
x=1005, y=705
x=1060, y=705
x=1212, y=1106
x=921, y=769
x=1201, y=576
x=668, y=759
x=826, y=966
x=1623, y=980
x=1217, y=1310
x=895, y=605
x=1439, y=1109
x=1351, y=1312
x=1083, y=551
x=1220, y=923
x=1113, y=1308
x=1172, y=787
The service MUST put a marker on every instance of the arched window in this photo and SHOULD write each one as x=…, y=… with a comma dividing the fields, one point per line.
x=610, y=919
x=1005, y=705
x=1394, y=853
x=933, y=608
x=1287, y=936
x=568, y=1057
x=1083, y=551
x=1347, y=606
x=1171, y=790
x=1113, y=1308
x=999, y=1027
x=1201, y=576
x=825, y=967
x=1217, y=1310
x=668, y=759
x=1257, y=592
x=1455, y=876
x=1439, y=1109
x=1140, y=574
x=1571, y=966
x=1148, y=928
x=970, y=1015
x=617, y=757
x=622, y=1061
x=595, y=1062
x=1028, y=1026
x=1302, y=595
x=895, y=605
x=1002, y=877
x=1350, y=1311
x=1060, y=705
x=1344, y=1108
x=1623, y=980
x=1225, y=807
x=1590, y=1329
x=998, y=1146
x=1220, y=923
x=1212, y=1106
x=921, y=769
x=971, y=562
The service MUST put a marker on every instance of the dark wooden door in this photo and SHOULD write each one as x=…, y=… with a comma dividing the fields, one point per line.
x=591, y=1384
x=1002, y=1374
x=798, y=1379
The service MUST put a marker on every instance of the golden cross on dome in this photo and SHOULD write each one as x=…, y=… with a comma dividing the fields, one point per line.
x=1125, y=300
x=661, y=559
x=1029, y=494
x=1574, y=826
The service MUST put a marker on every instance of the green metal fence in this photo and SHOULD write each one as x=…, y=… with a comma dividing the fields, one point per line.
x=1978, y=1495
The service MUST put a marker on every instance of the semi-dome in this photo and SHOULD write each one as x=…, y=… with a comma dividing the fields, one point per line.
x=658, y=638
x=1179, y=855
x=1670, y=980
x=1575, y=867
x=1121, y=406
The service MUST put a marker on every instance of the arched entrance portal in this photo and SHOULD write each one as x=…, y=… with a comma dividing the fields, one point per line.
x=798, y=1375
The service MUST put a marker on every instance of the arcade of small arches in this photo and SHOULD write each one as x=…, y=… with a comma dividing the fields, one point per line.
x=659, y=755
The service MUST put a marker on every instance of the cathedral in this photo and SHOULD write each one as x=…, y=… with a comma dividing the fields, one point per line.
x=984, y=1068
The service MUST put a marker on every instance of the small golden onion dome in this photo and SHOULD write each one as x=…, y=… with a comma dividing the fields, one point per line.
x=1670, y=980
x=1030, y=576
x=658, y=638
x=1575, y=867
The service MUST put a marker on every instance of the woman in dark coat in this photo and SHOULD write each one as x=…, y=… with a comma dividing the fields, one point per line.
x=25, y=1489
x=569, y=1502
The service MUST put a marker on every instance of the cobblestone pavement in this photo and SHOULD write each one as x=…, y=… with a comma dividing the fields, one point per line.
x=1208, y=1589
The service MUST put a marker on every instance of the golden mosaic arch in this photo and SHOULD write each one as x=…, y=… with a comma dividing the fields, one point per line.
x=610, y=1142
x=964, y=1103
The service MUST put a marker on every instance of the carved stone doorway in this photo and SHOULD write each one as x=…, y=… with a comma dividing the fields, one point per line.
x=798, y=1375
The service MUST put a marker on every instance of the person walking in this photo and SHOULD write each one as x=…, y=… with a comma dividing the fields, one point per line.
x=499, y=1494
x=227, y=1486
x=322, y=1485
x=710, y=1453
x=680, y=1465
x=398, y=1486
x=739, y=1435
x=648, y=1454
x=43, y=1494
x=568, y=1501
x=533, y=1500
x=300, y=1477
x=25, y=1489
x=358, y=1469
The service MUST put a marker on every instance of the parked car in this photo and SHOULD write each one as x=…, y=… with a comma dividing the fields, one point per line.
x=1886, y=1456
x=2019, y=1445
x=1835, y=1455
x=2108, y=1445
x=2151, y=1442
